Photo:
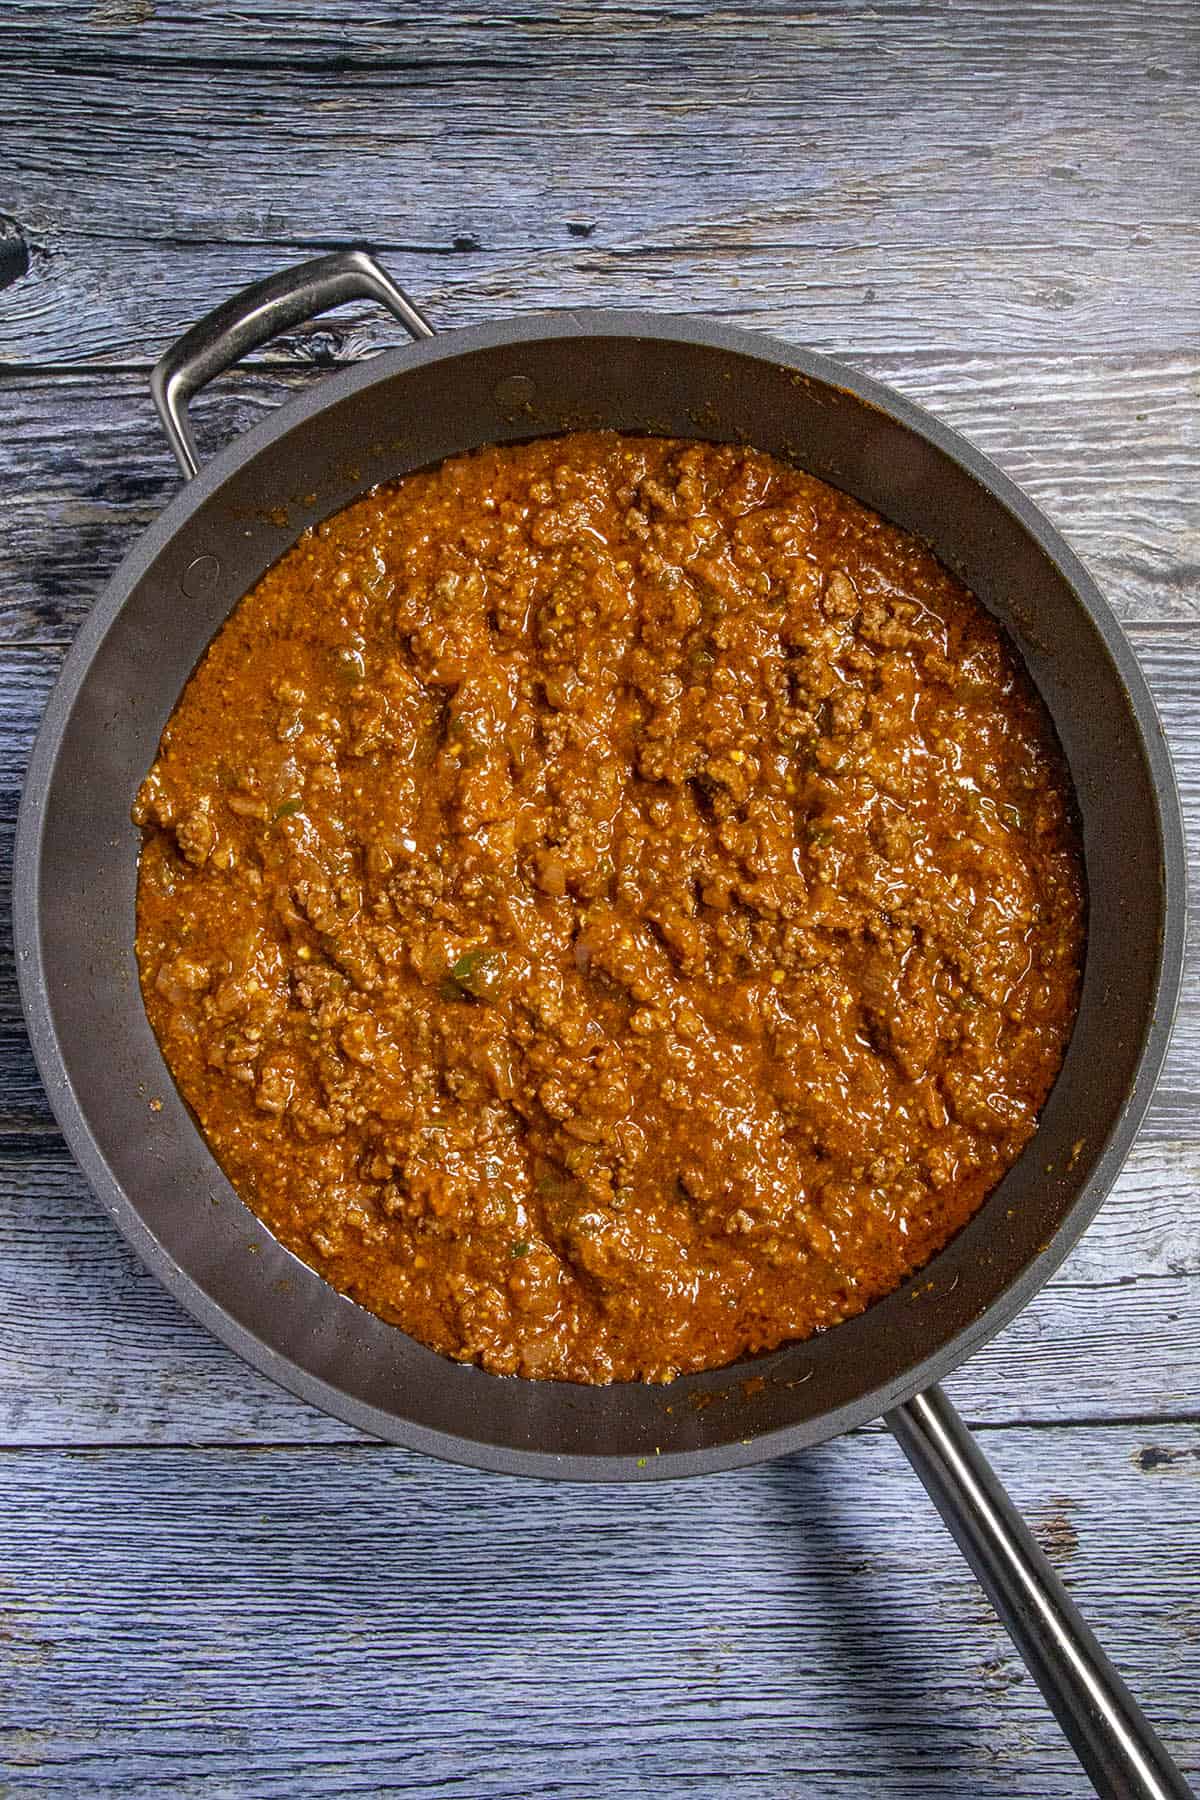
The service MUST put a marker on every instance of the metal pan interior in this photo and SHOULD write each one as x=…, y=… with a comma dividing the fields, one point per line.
x=77, y=856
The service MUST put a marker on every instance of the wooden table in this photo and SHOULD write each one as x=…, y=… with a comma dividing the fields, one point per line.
x=207, y=1589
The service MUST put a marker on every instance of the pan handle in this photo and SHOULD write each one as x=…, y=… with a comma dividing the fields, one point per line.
x=1110, y=1735
x=257, y=314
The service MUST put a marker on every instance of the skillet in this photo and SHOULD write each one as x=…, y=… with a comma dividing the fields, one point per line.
x=75, y=882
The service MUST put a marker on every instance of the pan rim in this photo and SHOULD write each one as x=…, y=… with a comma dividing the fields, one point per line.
x=538, y=329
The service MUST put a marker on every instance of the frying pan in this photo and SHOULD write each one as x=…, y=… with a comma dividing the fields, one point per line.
x=76, y=866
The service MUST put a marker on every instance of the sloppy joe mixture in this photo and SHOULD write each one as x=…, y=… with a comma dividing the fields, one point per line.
x=612, y=904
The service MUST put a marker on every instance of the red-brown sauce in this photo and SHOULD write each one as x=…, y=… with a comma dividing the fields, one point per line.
x=612, y=904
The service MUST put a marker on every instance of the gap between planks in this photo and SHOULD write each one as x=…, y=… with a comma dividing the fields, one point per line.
x=1010, y=1428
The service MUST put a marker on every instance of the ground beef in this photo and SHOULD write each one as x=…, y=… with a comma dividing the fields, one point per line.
x=612, y=904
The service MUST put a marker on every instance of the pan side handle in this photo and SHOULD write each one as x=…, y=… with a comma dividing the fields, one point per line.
x=1108, y=1731
x=255, y=315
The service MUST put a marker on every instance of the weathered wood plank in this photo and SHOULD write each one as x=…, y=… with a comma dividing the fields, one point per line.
x=861, y=289
x=357, y=1621
x=870, y=179
x=1110, y=447
x=96, y=1352
x=992, y=205
x=991, y=37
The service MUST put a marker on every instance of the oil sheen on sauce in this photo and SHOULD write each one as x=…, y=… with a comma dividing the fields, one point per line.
x=613, y=905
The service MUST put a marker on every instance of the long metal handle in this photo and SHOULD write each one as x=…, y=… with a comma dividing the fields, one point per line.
x=254, y=316
x=1111, y=1736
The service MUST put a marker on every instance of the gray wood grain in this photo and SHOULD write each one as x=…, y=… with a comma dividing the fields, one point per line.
x=859, y=291
x=206, y=1589
x=357, y=1621
x=1015, y=177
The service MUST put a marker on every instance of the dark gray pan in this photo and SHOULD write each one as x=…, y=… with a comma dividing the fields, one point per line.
x=76, y=862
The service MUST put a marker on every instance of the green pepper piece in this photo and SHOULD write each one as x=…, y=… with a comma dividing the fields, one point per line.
x=477, y=972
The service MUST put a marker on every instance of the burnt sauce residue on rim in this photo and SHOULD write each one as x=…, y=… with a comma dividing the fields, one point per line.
x=612, y=904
